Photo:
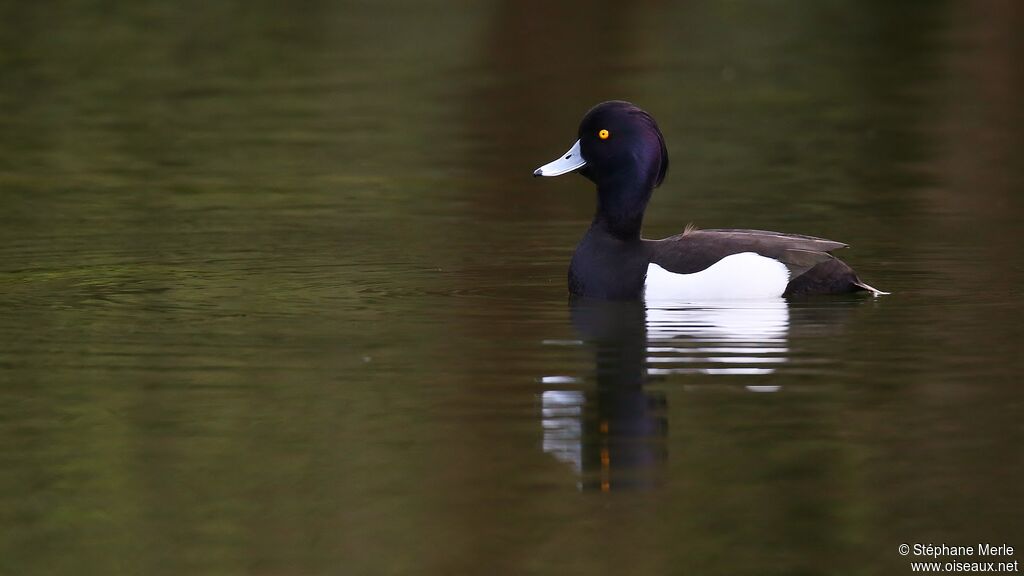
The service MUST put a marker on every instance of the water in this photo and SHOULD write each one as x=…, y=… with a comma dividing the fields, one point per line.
x=278, y=294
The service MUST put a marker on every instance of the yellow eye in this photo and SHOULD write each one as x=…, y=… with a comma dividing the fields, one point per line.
x=603, y=134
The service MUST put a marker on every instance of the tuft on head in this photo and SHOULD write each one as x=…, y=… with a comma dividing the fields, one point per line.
x=661, y=140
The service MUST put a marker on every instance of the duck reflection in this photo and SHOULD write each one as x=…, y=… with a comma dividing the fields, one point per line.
x=613, y=433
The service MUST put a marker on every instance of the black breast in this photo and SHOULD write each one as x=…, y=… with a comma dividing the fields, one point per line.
x=607, y=267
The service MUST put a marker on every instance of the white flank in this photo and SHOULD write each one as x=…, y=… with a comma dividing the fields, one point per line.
x=742, y=276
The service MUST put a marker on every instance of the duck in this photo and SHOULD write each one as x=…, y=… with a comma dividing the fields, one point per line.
x=620, y=149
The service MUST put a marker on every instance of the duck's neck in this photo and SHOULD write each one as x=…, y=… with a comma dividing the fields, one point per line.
x=621, y=202
x=610, y=261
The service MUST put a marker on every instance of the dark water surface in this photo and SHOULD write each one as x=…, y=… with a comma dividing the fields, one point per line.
x=278, y=294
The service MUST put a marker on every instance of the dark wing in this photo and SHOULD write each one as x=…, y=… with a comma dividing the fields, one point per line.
x=695, y=250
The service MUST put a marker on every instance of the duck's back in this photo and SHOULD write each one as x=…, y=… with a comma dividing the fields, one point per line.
x=747, y=263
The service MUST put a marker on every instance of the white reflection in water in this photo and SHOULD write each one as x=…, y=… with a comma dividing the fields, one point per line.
x=742, y=337
x=561, y=412
x=559, y=380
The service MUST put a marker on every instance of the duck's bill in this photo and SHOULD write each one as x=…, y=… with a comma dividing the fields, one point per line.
x=571, y=160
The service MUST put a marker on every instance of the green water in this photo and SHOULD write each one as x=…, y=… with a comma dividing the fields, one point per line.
x=278, y=294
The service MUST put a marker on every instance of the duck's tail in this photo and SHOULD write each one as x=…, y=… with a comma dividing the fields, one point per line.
x=866, y=287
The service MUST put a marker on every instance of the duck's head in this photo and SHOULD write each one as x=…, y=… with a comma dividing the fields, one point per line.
x=619, y=145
